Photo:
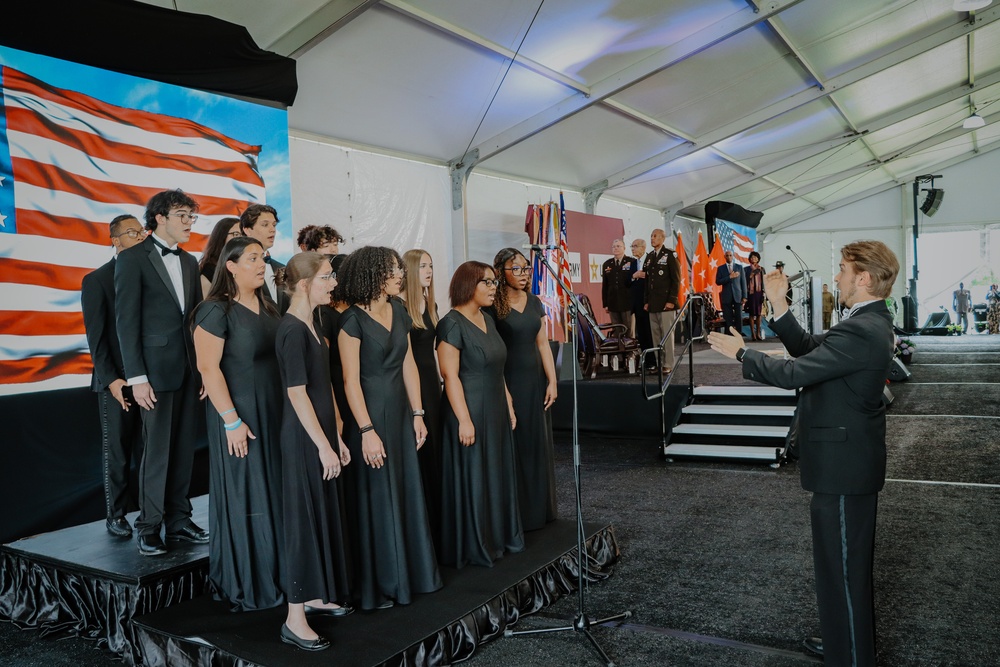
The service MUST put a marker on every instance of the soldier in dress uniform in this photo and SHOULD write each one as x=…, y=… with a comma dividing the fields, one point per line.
x=663, y=279
x=616, y=276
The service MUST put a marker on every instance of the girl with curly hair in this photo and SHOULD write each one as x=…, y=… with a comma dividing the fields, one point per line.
x=530, y=373
x=394, y=550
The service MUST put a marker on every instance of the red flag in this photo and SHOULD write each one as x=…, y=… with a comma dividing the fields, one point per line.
x=685, y=272
x=715, y=260
x=700, y=280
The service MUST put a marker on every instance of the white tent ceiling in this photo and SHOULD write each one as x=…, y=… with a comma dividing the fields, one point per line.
x=790, y=107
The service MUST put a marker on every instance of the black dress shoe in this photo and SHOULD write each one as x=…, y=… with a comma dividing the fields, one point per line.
x=190, y=533
x=119, y=527
x=151, y=545
x=814, y=645
x=289, y=637
x=342, y=610
x=388, y=604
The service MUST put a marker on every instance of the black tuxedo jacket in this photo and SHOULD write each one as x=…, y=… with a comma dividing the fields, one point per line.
x=97, y=297
x=152, y=327
x=842, y=374
x=283, y=301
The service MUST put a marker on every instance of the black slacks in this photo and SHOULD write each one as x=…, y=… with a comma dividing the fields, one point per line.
x=843, y=530
x=732, y=313
x=121, y=434
x=169, y=431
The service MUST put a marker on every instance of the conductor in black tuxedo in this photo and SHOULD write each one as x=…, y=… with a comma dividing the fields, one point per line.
x=842, y=436
x=121, y=426
x=734, y=292
x=156, y=287
x=260, y=221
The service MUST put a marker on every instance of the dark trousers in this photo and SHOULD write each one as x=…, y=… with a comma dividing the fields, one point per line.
x=622, y=317
x=165, y=473
x=843, y=530
x=733, y=315
x=121, y=441
x=642, y=331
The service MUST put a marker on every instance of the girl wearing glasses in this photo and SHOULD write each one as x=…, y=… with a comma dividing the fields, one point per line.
x=531, y=376
x=224, y=230
x=393, y=549
x=480, y=517
x=418, y=292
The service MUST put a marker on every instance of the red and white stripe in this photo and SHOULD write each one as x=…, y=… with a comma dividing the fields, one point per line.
x=77, y=163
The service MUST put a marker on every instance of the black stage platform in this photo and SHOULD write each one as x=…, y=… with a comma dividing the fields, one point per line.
x=80, y=581
x=615, y=404
x=475, y=606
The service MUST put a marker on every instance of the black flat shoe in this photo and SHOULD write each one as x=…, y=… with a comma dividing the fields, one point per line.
x=388, y=604
x=813, y=645
x=118, y=527
x=190, y=533
x=337, y=612
x=289, y=637
x=151, y=545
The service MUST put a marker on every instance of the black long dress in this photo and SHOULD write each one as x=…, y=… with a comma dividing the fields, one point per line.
x=314, y=562
x=245, y=493
x=329, y=328
x=536, y=478
x=480, y=518
x=422, y=345
x=393, y=550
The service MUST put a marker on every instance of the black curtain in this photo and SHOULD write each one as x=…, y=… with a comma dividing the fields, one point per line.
x=155, y=43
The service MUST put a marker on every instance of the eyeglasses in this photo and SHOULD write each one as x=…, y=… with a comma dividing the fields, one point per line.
x=184, y=216
x=398, y=271
x=132, y=233
x=233, y=234
x=520, y=270
x=490, y=282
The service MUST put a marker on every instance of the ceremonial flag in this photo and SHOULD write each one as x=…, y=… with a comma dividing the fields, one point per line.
x=700, y=279
x=737, y=239
x=715, y=260
x=564, y=270
x=69, y=163
x=682, y=259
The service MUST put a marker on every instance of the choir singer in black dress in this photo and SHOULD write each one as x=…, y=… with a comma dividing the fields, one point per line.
x=314, y=574
x=530, y=374
x=418, y=293
x=234, y=330
x=393, y=550
x=480, y=517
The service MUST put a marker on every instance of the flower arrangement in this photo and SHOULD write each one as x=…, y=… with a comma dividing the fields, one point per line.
x=955, y=329
x=904, y=347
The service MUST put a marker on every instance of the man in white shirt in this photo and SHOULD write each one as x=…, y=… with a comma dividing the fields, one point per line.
x=260, y=221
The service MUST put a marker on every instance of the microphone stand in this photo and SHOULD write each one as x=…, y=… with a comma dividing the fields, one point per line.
x=807, y=299
x=581, y=621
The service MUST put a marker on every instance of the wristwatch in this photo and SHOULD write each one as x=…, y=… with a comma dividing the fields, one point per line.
x=740, y=353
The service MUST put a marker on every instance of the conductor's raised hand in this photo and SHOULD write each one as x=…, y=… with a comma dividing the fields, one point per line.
x=725, y=344
x=776, y=286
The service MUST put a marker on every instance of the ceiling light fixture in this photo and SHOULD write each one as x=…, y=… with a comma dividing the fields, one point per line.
x=970, y=5
x=974, y=121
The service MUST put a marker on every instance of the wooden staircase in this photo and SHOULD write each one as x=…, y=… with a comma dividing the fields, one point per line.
x=740, y=423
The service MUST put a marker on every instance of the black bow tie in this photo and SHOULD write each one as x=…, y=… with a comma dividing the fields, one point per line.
x=164, y=250
x=267, y=259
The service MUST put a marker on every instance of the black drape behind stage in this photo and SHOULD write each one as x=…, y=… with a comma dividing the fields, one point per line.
x=189, y=50
x=50, y=462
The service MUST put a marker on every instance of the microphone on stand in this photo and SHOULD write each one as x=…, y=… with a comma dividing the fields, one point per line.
x=538, y=248
x=802, y=264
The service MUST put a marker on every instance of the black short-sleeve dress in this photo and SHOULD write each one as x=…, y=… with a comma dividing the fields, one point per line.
x=526, y=381
x=245, y=492
x=393, y=550
x=313, y=558
x=480, y=518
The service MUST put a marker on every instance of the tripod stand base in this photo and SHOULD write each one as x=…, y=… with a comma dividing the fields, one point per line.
x=582, y=624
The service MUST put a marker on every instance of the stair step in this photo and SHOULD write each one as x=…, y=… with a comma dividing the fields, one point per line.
x=738, y=430
x=738, y=390
x=721, y=409
x=722, y=451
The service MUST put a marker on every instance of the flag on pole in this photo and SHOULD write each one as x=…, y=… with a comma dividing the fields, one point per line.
x=69, y=163
x=682, y=259
x=734, y=241
x=715, y=260
x=699, y=272
x=564, y=270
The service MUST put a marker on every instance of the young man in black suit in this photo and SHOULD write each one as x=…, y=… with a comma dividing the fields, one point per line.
x=121, y=427
x=842, y=455
x=156, y=288
x=260, y=221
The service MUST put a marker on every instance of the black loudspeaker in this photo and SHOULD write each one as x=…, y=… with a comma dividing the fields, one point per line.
x=724, y=210
x=932, y=202
x=909, y=313
x=898, y=372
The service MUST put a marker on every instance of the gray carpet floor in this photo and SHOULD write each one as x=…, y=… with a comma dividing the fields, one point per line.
x=716, y=560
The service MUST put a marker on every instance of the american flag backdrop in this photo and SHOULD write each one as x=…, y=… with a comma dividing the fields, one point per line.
x=738, y=239
x=69, y=163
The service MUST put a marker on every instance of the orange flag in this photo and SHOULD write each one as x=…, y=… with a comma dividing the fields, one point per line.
x=682, y=259
x=699, y=273
x=715, y=260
